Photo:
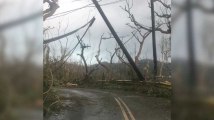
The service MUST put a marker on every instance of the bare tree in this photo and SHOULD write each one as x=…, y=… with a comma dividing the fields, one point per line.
x=98, y=55
x=141, y=32
x=112, y=55
x=83, y=47
x=87, y=71
x=141, y=43
x=163, y=22
x=165, y=14
x=165, y=46
x=121, y=57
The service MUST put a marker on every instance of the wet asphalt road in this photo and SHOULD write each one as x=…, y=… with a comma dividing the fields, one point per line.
x=90, y=104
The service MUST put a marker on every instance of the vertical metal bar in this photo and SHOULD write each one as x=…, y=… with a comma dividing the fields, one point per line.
x=154, y=39
x=140, y=76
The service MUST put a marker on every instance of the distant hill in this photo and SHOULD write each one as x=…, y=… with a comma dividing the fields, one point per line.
x=122, y=71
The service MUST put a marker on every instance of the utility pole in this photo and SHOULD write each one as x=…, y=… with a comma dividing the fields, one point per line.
x=140, y=76
x=190, y=43
x=153, y=38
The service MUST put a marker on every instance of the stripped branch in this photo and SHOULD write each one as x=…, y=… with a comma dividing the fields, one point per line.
x=98, y=54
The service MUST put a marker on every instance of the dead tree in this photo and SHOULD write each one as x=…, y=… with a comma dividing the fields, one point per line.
x=141, y=43
x=99, y=60
x=139, y=34
x=165, y=15
x=136, y=31
x=112, y=55
x=87, y=71
x=117, y=52
x=98, y=55
x=163, y=20
x=165, y=46
x=129, y=58
x=163, y=25
x=121, y=58
x=83, y=47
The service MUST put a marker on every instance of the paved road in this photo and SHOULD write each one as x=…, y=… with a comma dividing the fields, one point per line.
x=90, y=104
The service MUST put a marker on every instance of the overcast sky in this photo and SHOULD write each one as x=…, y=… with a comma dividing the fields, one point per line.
x=116, y=16
x=16, y=37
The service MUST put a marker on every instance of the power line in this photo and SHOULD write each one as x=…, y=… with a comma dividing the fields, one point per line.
x=80, y=40
x=73, y=10
x=70, y=33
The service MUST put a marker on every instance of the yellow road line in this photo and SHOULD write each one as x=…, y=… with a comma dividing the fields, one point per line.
x=122, y=109
x=127, y=108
